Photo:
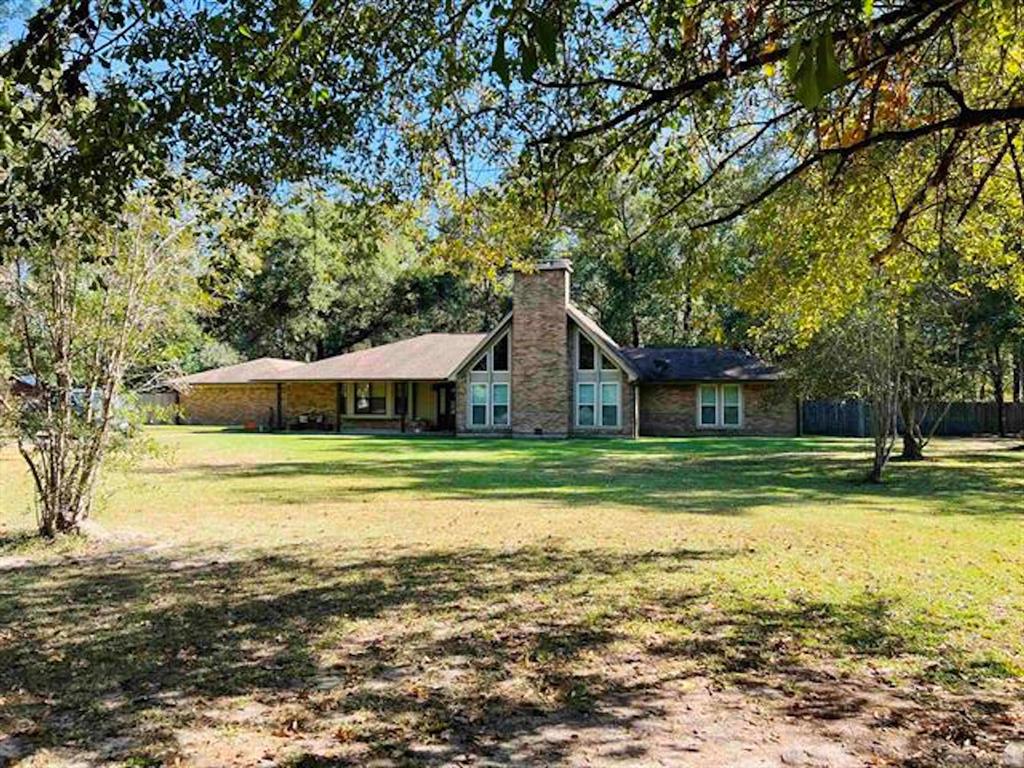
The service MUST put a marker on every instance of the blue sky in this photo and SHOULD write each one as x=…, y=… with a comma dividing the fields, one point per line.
x=12, y=16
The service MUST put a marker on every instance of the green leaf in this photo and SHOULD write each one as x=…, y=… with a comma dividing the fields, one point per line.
x=546, y=35
x=244, y=31
x=528, y=59
x=793, y=58
x=828, y=73
x=813, y=69
x=869, y=8
x=807, y=91
x=499, y=64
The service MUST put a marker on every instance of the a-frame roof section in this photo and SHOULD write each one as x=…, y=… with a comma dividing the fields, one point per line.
x=485, y=342
x=604, y=342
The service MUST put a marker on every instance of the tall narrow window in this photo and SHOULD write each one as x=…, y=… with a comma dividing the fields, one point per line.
x=585, y=405
x=478, y=405
x=500, y=354
x=609, y=404
x=499, y=405
x=731, y=405
x=708, y=406
x=585, y=353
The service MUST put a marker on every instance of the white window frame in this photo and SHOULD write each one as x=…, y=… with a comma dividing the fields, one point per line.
x=508, y=354
x=598, y=404
x=739, y=406
x=719, y=390
x=617, y=403
x=488, y=356
x=507, y=404
x=486, y=404
x=599, y=376
x=580, y=336
x=595, y=404
x=489, y=378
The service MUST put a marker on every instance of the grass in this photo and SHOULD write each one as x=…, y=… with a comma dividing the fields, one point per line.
x=408, y=600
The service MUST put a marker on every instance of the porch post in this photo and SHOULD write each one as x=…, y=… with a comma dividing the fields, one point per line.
x=280, y=416
x=337, y=407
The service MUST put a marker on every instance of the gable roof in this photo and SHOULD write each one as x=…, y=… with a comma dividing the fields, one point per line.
x=485, y=341
x=432, y=356
x=699, y=364
x=602, y=339
x=240, y=373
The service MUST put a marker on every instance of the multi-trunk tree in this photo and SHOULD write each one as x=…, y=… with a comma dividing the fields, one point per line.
x=81, y=315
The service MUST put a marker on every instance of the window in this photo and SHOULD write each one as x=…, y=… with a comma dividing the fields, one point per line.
x=609, y=404
x=585, y=353
x=708, y=406
x=500, y=354
x=585, y=405
x=607, y=365
x=731, y=405
x=721, y=405
x=489, y=386
x=499, y=405
x=371, y=397
x=478, y=405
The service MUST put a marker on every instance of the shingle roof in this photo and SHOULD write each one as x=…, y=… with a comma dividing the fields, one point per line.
x=432, y=356
x=699, y=364
x=240, y=373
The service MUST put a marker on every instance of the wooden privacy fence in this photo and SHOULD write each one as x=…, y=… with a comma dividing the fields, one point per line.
x=852, y=418
x=157, y=407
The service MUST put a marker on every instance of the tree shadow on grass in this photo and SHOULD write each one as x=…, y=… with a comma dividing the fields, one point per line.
x=409, y=657
x=699, y=476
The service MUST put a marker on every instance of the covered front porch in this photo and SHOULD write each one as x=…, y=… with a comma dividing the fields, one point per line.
x=369, y=406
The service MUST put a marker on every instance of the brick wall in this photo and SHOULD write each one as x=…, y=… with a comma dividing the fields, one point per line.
x=306, y=397
x=541, y=382
x=228, y=404
x=671, y=410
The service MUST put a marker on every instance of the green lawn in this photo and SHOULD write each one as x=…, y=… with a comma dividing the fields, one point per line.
x=409, y=600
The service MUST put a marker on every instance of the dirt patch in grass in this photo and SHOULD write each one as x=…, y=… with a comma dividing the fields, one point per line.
x=470, y=656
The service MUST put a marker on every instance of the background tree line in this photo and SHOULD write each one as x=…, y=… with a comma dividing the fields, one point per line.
x=804, y=178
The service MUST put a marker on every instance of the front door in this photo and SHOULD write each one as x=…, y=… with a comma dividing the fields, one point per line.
x=446, y=406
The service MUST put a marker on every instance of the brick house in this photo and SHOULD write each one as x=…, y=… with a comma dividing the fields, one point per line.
x=547, y=369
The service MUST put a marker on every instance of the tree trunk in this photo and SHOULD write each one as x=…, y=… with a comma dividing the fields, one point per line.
x=1000, y=412
x=884, y=410
x=912, y=450
x=995, y=370
x=1018, y=374
x=913, y=444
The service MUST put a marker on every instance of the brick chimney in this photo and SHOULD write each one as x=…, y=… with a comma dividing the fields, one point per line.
x=541, y=380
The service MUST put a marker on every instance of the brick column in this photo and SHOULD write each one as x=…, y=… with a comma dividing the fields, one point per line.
x=541, y=381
